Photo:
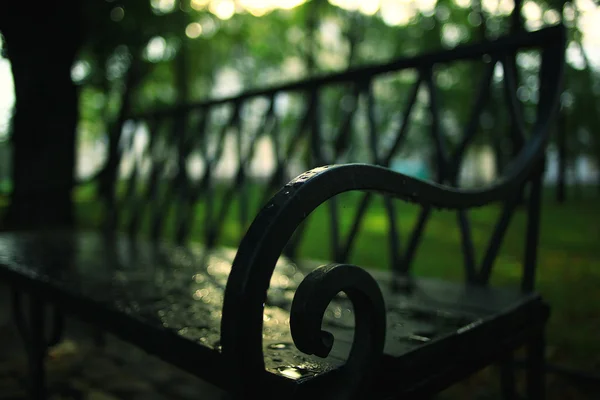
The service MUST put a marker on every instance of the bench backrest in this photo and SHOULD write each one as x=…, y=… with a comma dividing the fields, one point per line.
x=216, y=163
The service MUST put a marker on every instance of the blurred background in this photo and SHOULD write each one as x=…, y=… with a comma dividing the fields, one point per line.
x=146, y=55
x=131, y=58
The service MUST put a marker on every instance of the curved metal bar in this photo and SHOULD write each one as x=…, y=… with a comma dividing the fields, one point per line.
x=462, y=52
x=313, y=296
x=18, y=315
x=259, y=250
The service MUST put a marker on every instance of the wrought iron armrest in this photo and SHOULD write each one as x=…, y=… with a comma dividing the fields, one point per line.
x=246, y=292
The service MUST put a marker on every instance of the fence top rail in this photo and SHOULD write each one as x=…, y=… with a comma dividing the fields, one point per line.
x=503, y=45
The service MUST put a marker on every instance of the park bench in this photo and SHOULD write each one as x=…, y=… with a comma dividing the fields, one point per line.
x=260, y=319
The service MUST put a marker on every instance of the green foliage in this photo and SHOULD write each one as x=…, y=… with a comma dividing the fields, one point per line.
x=186, y=51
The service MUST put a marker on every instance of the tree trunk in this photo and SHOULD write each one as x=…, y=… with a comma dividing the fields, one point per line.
x=598, y=175
x=312, y=22
x=561, y=191
x=597, y=152
x=41, y=47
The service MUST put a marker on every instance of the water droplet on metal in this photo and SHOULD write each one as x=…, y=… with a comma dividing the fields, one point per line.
x=279, y=346
x=337, y=312
x=200, y=293
x=293, y=372
x=418, y=338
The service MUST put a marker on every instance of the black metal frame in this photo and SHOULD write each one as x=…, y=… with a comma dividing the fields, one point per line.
x=196, y=127
x=266, y=238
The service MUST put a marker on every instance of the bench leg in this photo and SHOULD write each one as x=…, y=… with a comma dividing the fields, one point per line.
x=36, y=350
x=508, y=384
x=57, y=327
x=31, y=325
x=536, y=383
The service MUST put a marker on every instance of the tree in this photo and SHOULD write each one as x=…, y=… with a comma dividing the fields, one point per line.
x=42, y=45
x=198, y=43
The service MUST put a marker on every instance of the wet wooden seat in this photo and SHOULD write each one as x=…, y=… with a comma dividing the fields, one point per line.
x=256, y=319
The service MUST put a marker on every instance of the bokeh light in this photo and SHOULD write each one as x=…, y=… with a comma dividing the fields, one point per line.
x=162, y=6
x=199, y=4
x=223, y=9
x=193, y=30
x=156, y=49
x=117, y=14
